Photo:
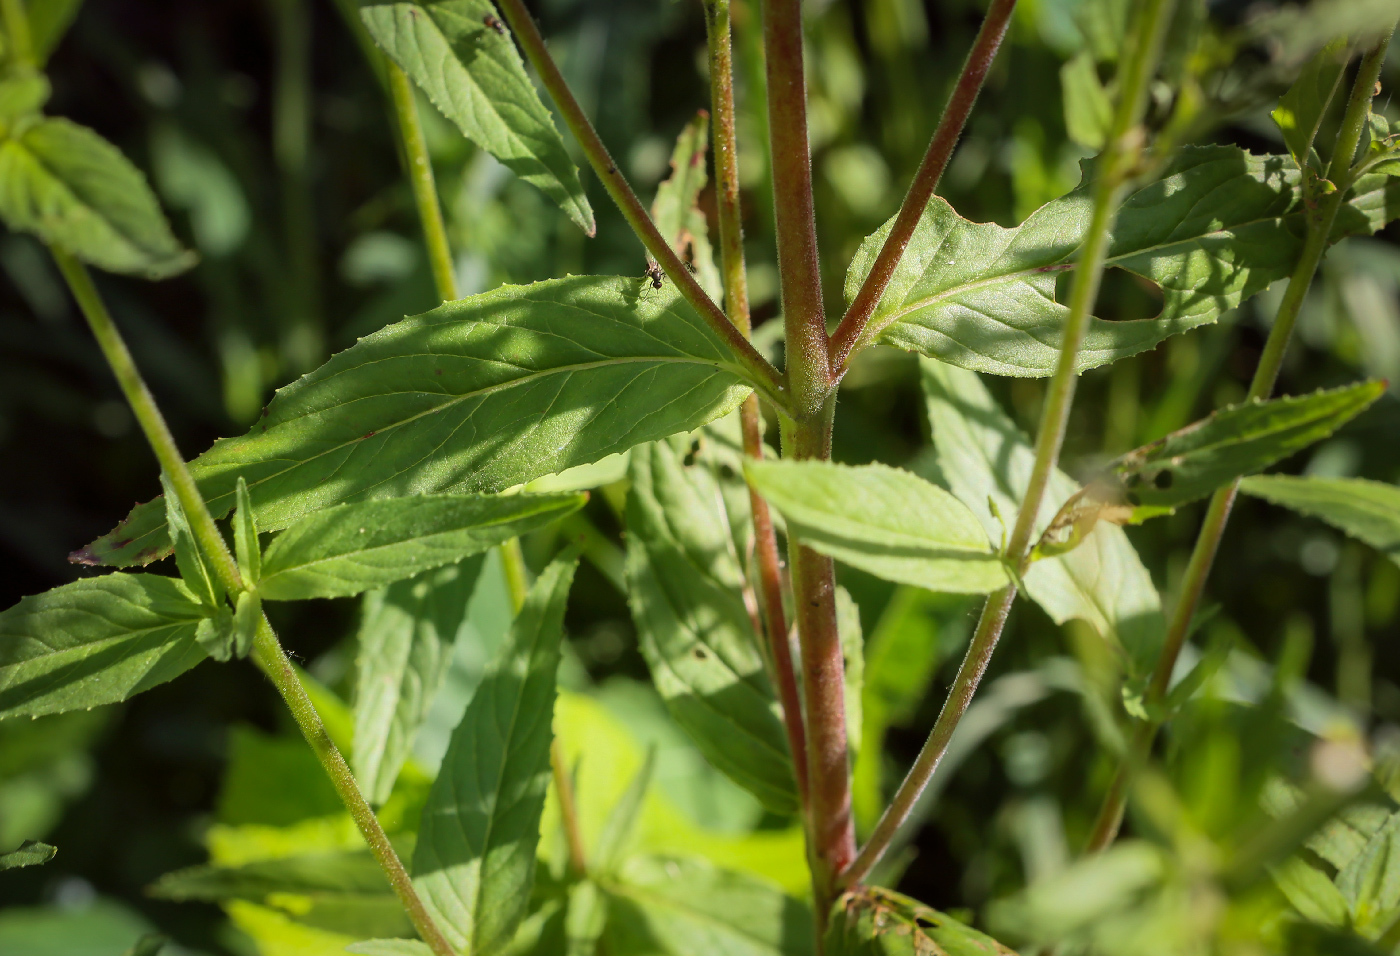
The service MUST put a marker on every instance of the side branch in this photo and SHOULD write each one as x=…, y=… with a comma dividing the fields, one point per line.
x=632, y=210
x=940, y=149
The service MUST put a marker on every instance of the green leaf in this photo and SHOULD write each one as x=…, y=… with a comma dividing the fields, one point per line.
x=883, y=520
x=405, y=647
x=48, y=22
x=680, y=906
x=245, y=622
x=32, y=853
x=675, y=209
x=1234, y=441
x=215, y=634
x=623, y=818
x=585, y=919
x=71, y=188
x=478, y=395
x=685, y=583
x=1088, y=110
x=876, y=922
x=1219, y=227
x=390, y=947
x=151, y=944
x=1370, y=883
x=21, y=99
x=1367, y=510
x=853, y=658
x=1312, y=893
x=245, y=536
x=348, y=549
x=189, y=557
x=984, y=457
x=343, y=891
x=474, y=863
x=95, y=641
x=474, y=76
x=1300, y=110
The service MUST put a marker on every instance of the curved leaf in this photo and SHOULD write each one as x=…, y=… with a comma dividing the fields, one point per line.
x=95, y=641
x=478, y=395
x=32, y=853
x=1368, y=510
x=871, y=921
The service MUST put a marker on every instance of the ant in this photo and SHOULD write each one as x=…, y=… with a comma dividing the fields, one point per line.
x=655, y=274
x=495, y=24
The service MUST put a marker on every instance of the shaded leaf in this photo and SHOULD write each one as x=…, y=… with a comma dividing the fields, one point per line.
x=478, y=395
x=95, y=641
x=876, y=922
x=474, y=864
x=32, y=853
x=984, y=456
x=189, y=557
x=149, y=945
x=1219, y=227
x=883, y=520
x=475, y=77
x=1301, y=109
x=1088, y=110
x=348, y=549
x=853, y=660
x=675, y=211
x=245, y=536
x=685, y=584
x=71, y=188
x=48, y=22
x=1367, y=510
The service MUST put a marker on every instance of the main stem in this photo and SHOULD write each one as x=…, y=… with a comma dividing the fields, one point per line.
x=1193, y=584
x=1138, y=65
x=736, y=302
x=267, y=652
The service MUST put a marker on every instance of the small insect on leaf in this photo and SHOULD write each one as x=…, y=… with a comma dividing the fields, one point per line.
x=655, y=274
x=494, y=23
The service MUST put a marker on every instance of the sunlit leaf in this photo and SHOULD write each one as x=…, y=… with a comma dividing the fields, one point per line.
x=1301, y=109
x=1088, y=110
x=390, y=947
x=95, y=641
x=1217, y=228
x=1370, y=883
x=883, y=520
x=685, y=584
x=474, y=75
x=245, y=536
x=676, y=212
x=1312, y=892
x=474, y=863
x=585, y=919
x=478, y=395
x=876, y=922
x=623, y=818
x=32, y=853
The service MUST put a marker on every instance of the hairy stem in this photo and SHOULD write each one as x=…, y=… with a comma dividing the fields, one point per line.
x=940, y=149
x=1320, y=223
x=1137, y=68
x=736, y=302
x=268, y=653
x=420, y=176
x=763, y=373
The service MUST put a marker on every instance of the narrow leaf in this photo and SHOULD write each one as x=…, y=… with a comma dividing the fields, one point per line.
x=1366, y=510
x=32, y=853
x=245, y=622
x=1088, y=110
x=585, y=919
x=245, y=536
x=871, y=921
x=479, y=395
x=48, y=22
x=95, y=641
x=685, y=585
x=676, y=212
x=1300, y=110
x=405, y=646
x=853, y=657
x=1219, y=227
x=189, y=558
x=1235, y=441
x=474, y=864
x=883, y=520
x=985, y=457
x=390, y=947
x=623, y=817
x=71, y=188
x=474, y=75
x=348, y=549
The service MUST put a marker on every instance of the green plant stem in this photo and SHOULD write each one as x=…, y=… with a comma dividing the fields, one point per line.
x=268, y=653
x=736, y=303
x=17, y=31
x=1320, y=223
x=420, y=176
x=1137, y=67
x=763, y=374
x=921, y=189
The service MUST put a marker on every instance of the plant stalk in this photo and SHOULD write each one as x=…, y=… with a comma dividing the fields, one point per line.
x=420, y=176
x=268, y=653
x=1137, y=68
x=736, y=302
x=921, y=189
x=1320, y=223
x=764, y=375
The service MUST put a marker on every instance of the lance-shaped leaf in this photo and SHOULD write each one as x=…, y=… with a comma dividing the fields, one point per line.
x=473, y=74
x=1220, y=226
x=984, y=457
x=32, y=853
x=474, y=864
x=871, y=921
x=478, y=395
x=678, y=906
x=1367, y=510
x=685, y=584
x=351, y=548
x=1235, y=441
x=1300, y=110
x=390, y=947
x=96, y=641
x=71, y=188
x=406, y=636
x=883, y=520
x=675, y=209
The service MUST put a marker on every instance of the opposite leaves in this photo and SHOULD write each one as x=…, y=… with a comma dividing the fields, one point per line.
x=474, y=863
x=478, y=395
x=1219, y=227
x=473, y=74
